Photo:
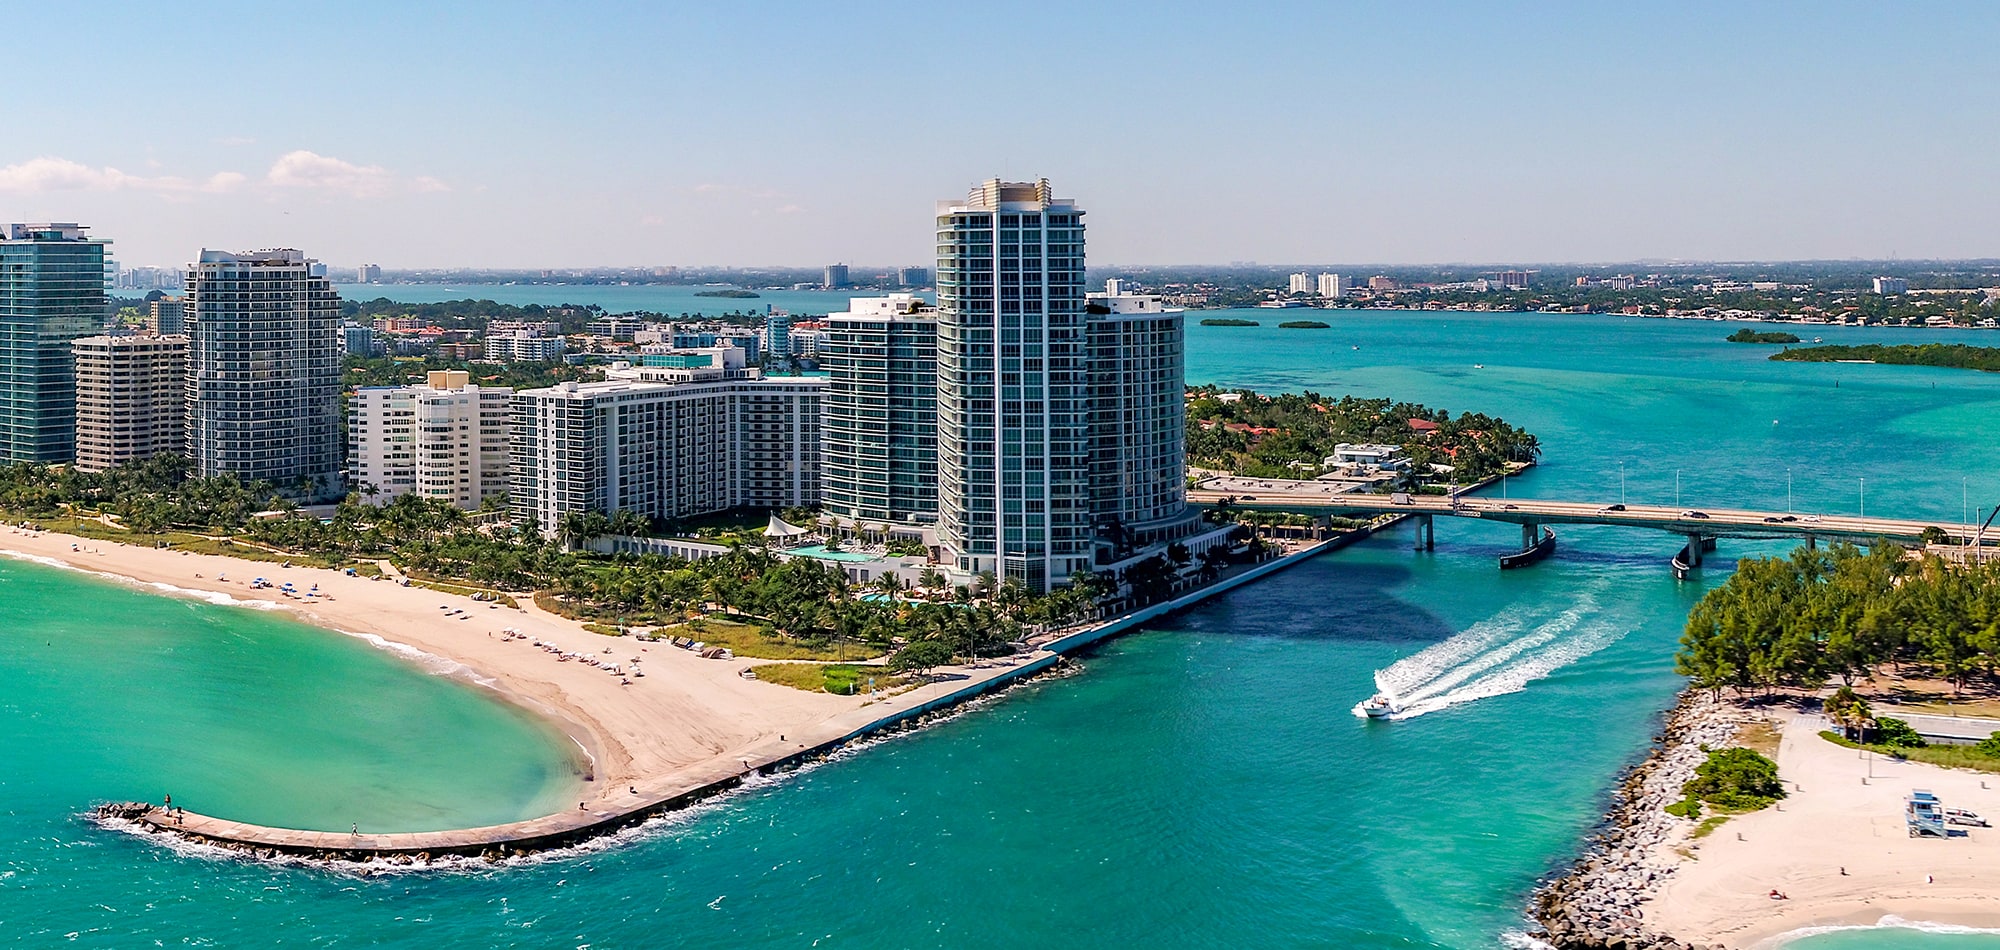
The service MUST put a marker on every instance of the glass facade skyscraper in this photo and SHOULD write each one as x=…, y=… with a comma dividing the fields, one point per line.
x=879, y=435
x=1013, y=425
x=51, y=292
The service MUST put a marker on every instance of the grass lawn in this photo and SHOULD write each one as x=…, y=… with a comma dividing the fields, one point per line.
x=1946, y=756
x=744, y=639
x=845, y=679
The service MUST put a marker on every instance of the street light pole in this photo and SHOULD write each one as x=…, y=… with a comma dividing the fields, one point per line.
x=1621, y=482
x=1788, y=489
x=1677, y=488
x=1864, y=496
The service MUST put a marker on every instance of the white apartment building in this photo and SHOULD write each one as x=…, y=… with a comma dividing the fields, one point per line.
x=130, y=399
x=1138, y=424
x=521, y=346
x=263, y=380
x=879, y=432
x=1890, y=286
x=1300, y=284
x=666, y=442
x=444, y=440
x=1013, y=426
x=1332, y=286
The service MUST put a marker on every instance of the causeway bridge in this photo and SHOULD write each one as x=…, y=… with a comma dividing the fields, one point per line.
x=1700, y=526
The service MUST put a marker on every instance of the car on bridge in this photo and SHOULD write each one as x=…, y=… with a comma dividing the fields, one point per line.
x=1618, y=507
x=1691, y=513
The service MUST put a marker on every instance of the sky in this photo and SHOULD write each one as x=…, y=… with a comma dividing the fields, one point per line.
x=517, y=134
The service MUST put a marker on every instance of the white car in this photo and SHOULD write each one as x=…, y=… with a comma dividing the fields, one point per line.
x=1959, y=816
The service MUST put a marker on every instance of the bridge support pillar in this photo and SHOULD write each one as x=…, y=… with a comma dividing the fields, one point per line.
x=1426, y=532
x=1694, y=550
x=1530, y=534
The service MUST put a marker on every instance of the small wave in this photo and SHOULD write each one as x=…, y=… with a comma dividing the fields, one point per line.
x=214, y=597
x=1523, y=940
x=1888, y=922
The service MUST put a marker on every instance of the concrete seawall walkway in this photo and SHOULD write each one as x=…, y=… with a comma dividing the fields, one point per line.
x=688, y=786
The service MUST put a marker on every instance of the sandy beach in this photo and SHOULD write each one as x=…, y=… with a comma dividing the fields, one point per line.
x=1834, y=821
x=685, y=716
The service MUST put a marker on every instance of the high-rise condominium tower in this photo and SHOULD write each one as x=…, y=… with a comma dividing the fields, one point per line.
x=1013, y=426
x=130, y=393
x=1138, y=424
x=878, y=434
x=51, y=292
x=263, y=384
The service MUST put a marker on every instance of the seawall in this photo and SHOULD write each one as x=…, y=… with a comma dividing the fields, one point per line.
x=689, y=786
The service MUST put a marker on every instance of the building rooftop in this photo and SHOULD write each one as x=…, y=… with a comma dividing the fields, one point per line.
x=997, y=195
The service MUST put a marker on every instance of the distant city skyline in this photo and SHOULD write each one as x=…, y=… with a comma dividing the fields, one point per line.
x=504, y=135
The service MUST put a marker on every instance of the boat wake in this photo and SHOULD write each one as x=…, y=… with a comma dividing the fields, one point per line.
x=1496, y=656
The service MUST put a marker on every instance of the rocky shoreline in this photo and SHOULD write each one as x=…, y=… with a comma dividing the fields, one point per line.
x=1595, y=905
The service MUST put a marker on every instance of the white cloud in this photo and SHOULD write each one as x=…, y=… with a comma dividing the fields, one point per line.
x=303, y=169
x=60, y=174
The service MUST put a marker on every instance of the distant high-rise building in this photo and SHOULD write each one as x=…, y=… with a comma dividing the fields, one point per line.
x=167, y=317
x=368, y=274
x=445, y=440
x=263, y=382
x=51, y=292
x=1013, y=415
x=1300, y=284
x=130, y=399
x=357, y=340
x=1332, y=286
x=878, y=432
x=1888, y=286
x=836, y=276
x=1114, y=287
x=1515, y=279
x=1138, y=424
x=778, y=335
x=666, y=442
x=1381, y=282
x=913, y=277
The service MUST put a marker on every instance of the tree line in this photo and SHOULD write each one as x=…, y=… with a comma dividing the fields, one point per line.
x=1308, y=425
x=1842, y=613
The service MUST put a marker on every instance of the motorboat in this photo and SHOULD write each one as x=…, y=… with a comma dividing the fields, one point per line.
x=1378, y=707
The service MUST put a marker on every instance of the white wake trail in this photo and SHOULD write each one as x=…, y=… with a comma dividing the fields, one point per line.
x=1499, y=655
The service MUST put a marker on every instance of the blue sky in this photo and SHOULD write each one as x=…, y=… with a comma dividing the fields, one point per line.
x=546, y=134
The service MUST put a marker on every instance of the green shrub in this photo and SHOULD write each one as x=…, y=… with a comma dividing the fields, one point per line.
x=1897, y=734
x=1737, y=779
x=1989, y=746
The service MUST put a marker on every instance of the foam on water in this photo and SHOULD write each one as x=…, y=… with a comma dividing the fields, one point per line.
x=1888, y=922
x=1496, y=656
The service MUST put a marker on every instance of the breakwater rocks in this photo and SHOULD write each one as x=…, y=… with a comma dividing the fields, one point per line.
x=1596, y=904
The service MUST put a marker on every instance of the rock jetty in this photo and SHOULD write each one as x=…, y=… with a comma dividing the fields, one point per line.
x=1596, y=904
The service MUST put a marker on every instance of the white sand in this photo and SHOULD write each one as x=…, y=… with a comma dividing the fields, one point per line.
x=686, y=716
x=1830, y=821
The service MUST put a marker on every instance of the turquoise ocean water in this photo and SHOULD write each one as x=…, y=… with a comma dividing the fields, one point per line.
x=1202, y=784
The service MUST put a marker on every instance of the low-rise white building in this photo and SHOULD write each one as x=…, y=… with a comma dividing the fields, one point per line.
x=445, y=440
x=522, y=346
